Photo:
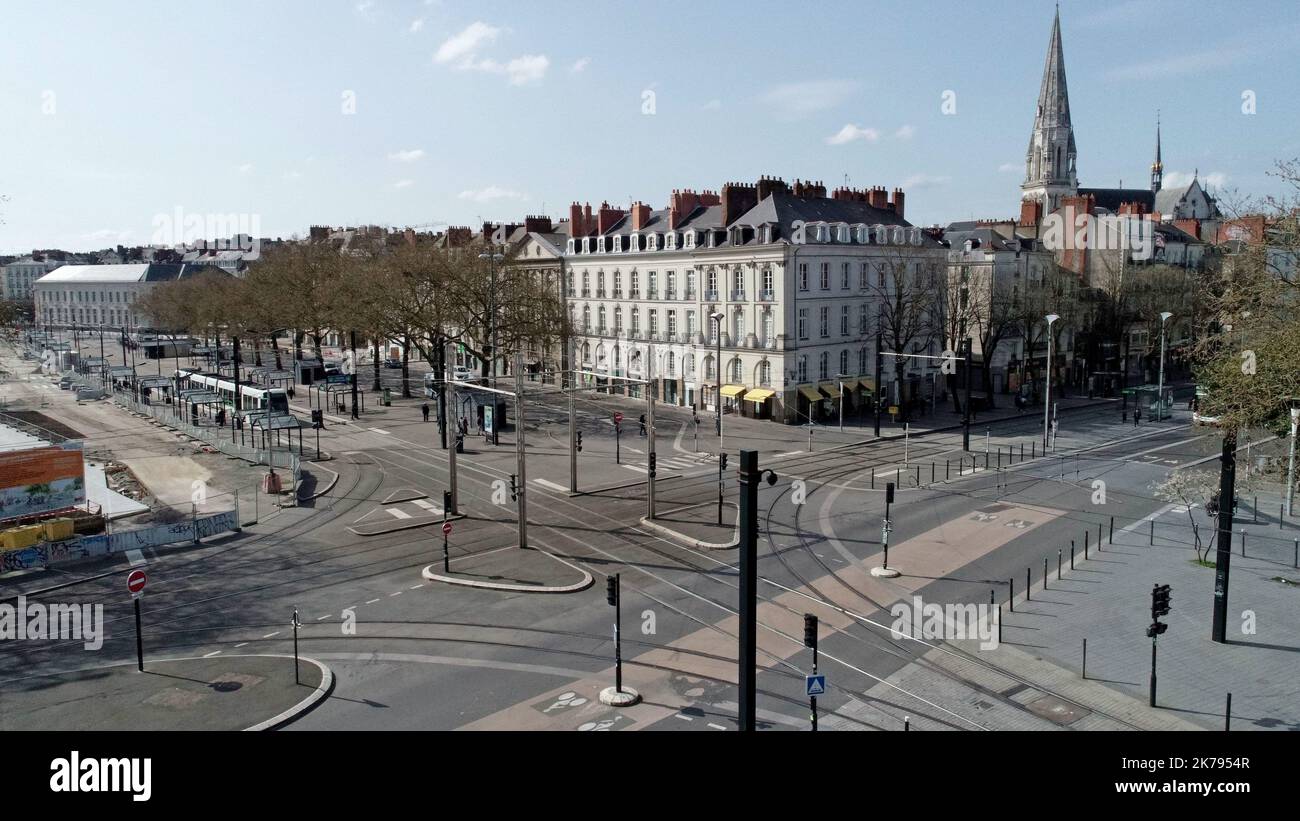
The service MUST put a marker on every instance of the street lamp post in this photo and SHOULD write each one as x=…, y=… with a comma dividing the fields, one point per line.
x=717, y=318
x=1160, y=387
x=1047, y=392
x=492, y=258
x=1290, y=473
x=840, y=378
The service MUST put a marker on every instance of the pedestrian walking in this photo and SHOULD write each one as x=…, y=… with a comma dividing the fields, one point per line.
x=1137, y=415
x=424, y=409
x=642, y=425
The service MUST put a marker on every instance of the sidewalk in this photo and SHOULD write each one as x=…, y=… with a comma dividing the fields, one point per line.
x=218, y=693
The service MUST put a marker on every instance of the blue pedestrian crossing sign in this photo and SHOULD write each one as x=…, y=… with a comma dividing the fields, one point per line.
x=814, y=685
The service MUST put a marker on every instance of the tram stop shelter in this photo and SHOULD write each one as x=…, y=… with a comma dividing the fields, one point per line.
x=1145, y=397
x=332, y=395
x=122, y=376
x=148, y=385
x=199, y=401
x=273, y=424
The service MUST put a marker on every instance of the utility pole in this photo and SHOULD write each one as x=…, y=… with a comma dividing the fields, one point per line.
x=880, y=359
x=810, y=641
x=748, y=655
x=440, y=367
x=573, y=438
x=456, y=437
x=965, y=431
x=519, y=448
x=352, y=343
x=650, y=424
x=1223, y=556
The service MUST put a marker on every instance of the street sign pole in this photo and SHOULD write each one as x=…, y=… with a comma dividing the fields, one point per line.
x=519, y=449
x=296, y=625
x=453, y=416
x=139, y=641
x=446, y=556
x=748, y=634
x=650, y=426
x=573, y=438
x=880, y=358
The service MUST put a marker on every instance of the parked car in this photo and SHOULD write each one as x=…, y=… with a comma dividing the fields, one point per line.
x=462, y=374
x=392, y=362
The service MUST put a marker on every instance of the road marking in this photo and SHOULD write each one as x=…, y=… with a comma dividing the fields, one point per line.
x=716, y=726
x=789, y=453
x=135, y=557
x=551, y=485
x=400, y=514
x=415, y=587
x=210, y=655
x=323, y=618
x=684, y=718
x=637, y=468
x=241, y=644
x=372, y=601
x=270, y=635
x=427, y=505
x=1217, y=456
x=1172, y=445
x=398, y=593
x=380, y=430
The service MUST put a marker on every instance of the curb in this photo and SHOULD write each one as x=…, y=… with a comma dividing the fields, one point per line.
x=687, y=540
x=303, y=707
x=324, y=490
x=586, y=581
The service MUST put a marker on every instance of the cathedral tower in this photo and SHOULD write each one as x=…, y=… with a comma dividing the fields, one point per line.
x=1049, y=163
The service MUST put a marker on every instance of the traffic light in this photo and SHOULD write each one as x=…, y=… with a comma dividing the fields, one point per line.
x=889, y=493
x=652, y=464
x=316, y=418
x=1160, y=599
x=1156, y=629
x=809, y=630
x=579, y=441
x=611, y=590
x=724, y=461
x=514, y=491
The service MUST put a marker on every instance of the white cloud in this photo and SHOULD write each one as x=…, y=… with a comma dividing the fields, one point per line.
x=580, y=65
x=1178, y=179
x=490, y=193
x=462, y=45
x=800, y=99
x=1009, y=167
x=851, y=132
x=529, y=68
x=407, y=155
x=416, y=25
x=403, y=183
x=905, y=132
x=923, y=181
x=109, y=235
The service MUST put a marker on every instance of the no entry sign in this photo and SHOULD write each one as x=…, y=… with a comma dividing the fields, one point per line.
x=135, y=582
x=618, y=417
x=446, y=528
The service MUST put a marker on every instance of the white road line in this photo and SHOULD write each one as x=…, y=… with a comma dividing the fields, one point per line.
x=1217, y=456
x=210, y=655
x=270, y=635
x=415, y=587
x=380, y=430
x=427, y=505
x=1171, y=445
x=551, y=485
x=398, y=593
x=789, y=453
x=323, y=618
x=135, y=557
x=400, y=514
x=684, y=718
x=637, y=468
x=241, y=644
x=372, y=601
x=716, y=726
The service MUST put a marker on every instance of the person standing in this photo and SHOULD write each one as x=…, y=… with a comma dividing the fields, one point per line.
x=424, y=409
x=1137, y=415
x=642, y=425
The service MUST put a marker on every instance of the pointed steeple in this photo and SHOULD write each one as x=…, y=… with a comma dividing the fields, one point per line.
x=1049, y=162
x=1157, y=168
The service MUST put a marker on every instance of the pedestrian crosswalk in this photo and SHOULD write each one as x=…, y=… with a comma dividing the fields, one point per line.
x=682, y=462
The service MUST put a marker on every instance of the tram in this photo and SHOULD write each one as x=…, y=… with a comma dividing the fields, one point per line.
x=252, y=397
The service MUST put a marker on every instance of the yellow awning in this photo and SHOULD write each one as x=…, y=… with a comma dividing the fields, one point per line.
x=868, y=383
x=732, y=390
x=832, y=389
x=810, y=394
x=759, y=394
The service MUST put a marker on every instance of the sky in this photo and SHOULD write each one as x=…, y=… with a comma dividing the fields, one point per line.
x=124, y=121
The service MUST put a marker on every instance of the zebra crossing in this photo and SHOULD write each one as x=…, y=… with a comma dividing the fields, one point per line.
x=682, y=462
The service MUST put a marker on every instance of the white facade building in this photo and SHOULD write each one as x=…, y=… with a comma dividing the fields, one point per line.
x=18, y=277
x=102, y=294
x=795, y=277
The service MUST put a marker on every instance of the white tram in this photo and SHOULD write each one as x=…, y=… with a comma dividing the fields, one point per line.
x=252, y=397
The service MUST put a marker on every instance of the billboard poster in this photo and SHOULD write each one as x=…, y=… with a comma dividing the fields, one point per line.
x=39, y=480
x=487, y=419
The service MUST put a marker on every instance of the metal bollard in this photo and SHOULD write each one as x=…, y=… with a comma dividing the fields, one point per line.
x=1072, y=554
x=1243, y=543
x=1112, y=530
x=1044, y=572
x=1084, y=672
x=1028, y=583
x=999, y=624
x=1085, y=541
x=1011, y=594
x=1255, y=508
x=1058, y=563
x=947, y=469
x=1227, y=714
x=1152, y=539
x=873, y=477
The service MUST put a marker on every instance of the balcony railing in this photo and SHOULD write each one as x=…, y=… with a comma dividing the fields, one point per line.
x=738, y=296
x=600, y=293
x=670, y=293
x=652, y=293
x=635, y=293
x=618, y=293
x=711, y=296
x=690, y=294
x=586, y=292
x=767, y=296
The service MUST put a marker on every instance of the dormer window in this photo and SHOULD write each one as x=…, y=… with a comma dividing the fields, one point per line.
x=690, y=239
x=652, y=242
x=843, y=232
x=823, y=232
x=670, y=240
x=636, y=242
x=586, y=245
x=600, y=245
x=862, y=234
x=915, y=235
x=882, y=236
x=899, y=235
x=569, y=249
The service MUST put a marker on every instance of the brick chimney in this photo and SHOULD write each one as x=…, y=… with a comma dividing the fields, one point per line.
x=897, y=202
x=640, y=215
x=575, y=221
x=1031, y=212
x=737, y=198
x=877, y=197
x=607, y=217
x=680, y=206
x=770, y=185
x=538, y=225
x=708, y=198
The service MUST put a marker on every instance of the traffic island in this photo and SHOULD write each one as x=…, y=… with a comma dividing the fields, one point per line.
x=513, y=570
x=697, y=525
x=252, y=692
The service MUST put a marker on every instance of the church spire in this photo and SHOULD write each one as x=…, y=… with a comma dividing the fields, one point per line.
x=1049, y=162
x=1157, y=168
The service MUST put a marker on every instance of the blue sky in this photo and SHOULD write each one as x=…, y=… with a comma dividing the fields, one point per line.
x=117, y=112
